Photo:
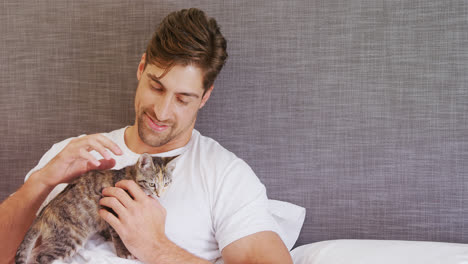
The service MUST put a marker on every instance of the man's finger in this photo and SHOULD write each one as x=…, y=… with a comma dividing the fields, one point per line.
x=109, y=144
x=111, y=219
x=106, y=164
x=114, y=204
x=133, y=188
x=96, y=145
x=118, y=193
x=89, y=157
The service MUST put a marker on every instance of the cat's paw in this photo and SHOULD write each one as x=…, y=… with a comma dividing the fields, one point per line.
x=130, y=257
x=126, y=256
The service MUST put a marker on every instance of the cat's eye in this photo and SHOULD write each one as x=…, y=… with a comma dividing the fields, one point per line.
x=151, y=184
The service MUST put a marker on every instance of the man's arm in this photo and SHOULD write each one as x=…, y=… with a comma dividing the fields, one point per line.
x=18, y=211
x=258, y=248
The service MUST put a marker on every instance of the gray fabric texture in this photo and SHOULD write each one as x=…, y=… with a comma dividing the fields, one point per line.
x=354, y=109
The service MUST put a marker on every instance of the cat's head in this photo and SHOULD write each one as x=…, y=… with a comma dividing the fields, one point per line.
x=154, y=174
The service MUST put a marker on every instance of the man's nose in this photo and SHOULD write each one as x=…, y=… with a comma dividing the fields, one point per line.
x=163, y=108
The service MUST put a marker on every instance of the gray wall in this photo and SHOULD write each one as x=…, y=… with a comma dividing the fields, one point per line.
x=354, y=109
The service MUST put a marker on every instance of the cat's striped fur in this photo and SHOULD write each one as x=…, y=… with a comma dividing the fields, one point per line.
x=71, y=218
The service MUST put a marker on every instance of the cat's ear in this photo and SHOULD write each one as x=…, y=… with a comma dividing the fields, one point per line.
x=145, y=162
x=166, y=160
x=163, y=161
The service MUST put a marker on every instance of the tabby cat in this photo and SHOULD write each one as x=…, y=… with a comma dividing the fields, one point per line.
x=71, y=218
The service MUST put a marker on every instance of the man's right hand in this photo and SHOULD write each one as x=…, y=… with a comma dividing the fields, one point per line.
x=76, y=159
x=18, y=211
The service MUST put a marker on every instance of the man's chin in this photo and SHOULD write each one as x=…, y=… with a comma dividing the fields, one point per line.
x=154, y=138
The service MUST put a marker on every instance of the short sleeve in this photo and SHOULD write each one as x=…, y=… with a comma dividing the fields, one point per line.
x=240, y=205
x=48, y=156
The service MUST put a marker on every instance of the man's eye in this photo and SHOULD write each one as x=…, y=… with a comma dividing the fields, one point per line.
x=182, y=101
x=158, y=89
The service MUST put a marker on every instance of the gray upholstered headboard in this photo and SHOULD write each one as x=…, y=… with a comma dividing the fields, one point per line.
x=354, y=109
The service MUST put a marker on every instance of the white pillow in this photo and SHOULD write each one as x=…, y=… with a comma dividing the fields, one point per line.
x=290, y=218
x=381, y=252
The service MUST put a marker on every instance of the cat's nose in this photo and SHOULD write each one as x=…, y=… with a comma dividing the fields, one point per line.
x=160, y=192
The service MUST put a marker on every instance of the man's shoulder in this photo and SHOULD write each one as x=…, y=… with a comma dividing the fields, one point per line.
x=112, y=134
x=208, y=146
x=115, y=134
x=215, y=157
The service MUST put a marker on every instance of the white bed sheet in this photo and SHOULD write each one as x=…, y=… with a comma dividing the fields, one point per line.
x=381, y=252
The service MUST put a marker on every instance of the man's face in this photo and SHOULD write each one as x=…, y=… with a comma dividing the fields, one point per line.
x=166, y=108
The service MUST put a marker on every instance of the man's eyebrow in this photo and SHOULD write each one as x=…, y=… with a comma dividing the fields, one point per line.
x=156, y=79
x=190, y=95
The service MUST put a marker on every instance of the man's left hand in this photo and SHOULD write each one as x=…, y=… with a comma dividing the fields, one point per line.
x=140, y=220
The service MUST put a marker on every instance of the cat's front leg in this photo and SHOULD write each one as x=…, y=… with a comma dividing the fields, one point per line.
x=106, y=234
x=120, y=249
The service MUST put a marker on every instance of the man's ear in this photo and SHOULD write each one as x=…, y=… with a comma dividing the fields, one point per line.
x=141, y=66
x=206, y=96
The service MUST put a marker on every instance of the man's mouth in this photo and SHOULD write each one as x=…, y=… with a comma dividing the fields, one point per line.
x=155, y=125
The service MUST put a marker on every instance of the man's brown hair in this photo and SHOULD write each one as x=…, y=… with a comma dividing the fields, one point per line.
x=188, y=37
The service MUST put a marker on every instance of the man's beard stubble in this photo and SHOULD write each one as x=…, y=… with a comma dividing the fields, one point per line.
x=148, y=136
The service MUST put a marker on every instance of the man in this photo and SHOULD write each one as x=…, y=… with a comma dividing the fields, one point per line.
x=215, y=207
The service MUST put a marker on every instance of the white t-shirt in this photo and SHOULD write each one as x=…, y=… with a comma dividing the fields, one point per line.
x=215, y=198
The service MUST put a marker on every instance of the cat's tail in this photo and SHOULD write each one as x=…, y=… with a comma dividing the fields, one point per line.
x=29, y=241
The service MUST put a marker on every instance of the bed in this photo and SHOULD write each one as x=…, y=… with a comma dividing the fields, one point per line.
x=353, y=113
